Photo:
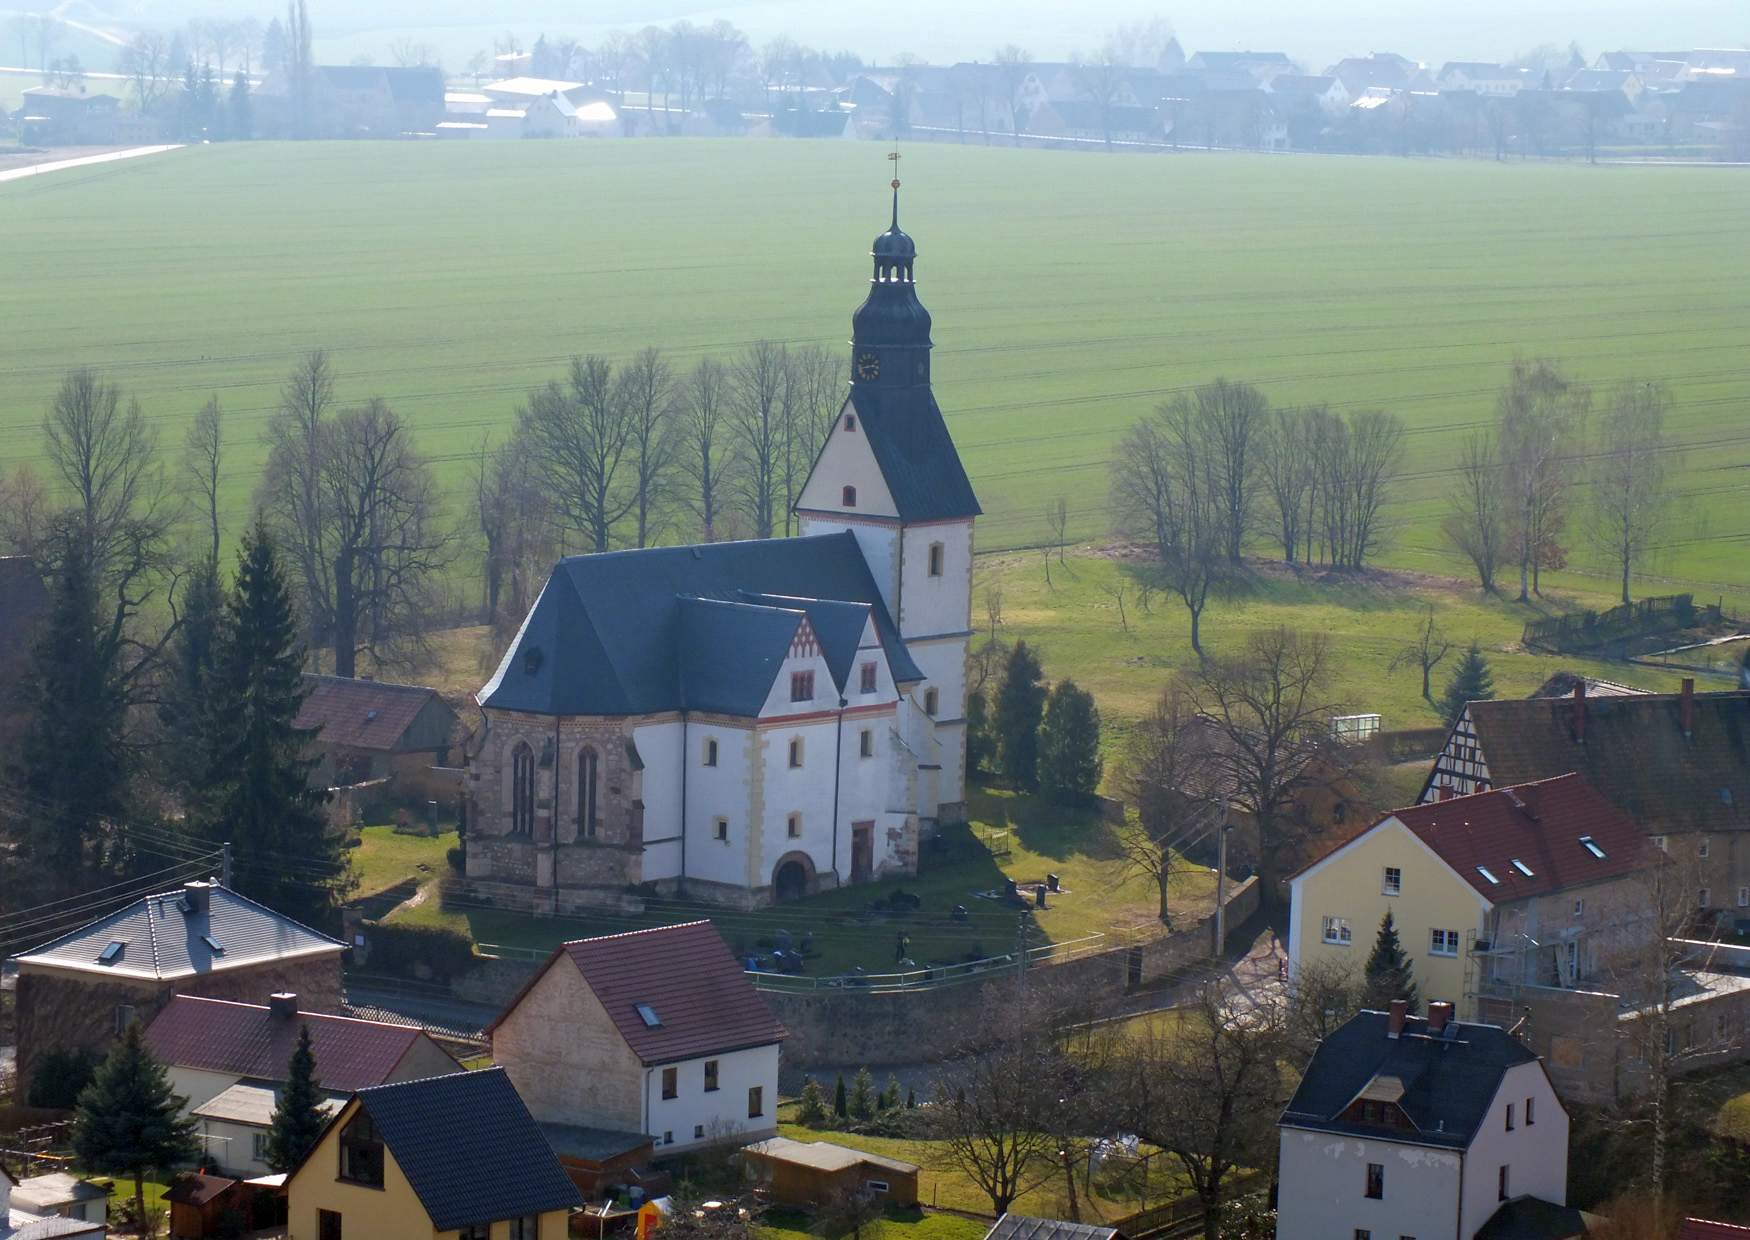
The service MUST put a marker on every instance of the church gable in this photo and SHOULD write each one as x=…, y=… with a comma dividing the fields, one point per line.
x=803, y=684
x=846, y=477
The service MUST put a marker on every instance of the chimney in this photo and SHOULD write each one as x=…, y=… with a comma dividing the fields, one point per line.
x=1394, y=1025
x=1686, y=705
x=195, y=896
x=1438, y=1015
x=1580, y=712
x=282, y=1005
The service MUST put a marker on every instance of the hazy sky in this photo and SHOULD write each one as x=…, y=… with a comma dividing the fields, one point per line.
x=1314, y=31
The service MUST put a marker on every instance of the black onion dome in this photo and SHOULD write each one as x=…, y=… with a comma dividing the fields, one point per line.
x=894, y=246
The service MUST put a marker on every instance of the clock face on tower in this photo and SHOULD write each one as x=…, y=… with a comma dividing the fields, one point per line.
x=868, y=366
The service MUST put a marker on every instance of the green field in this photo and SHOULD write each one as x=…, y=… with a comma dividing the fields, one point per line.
x=1071, y=291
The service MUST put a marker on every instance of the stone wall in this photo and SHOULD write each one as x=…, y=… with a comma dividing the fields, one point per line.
x=63, y=1009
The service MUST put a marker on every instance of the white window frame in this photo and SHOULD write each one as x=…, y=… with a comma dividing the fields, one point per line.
x=720, y=830
x=1336, y=932
x=793, y=826
x=1744, y=897
x=1391, y=881
x=1661, y=843
x=1443, y=942
x=1701, y=849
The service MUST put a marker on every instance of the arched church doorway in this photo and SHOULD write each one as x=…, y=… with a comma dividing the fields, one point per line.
x=790, y=880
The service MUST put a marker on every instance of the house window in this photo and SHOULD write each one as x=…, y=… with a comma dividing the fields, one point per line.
x=526, y=1228
x=1660, y=843
x=1701, y=898
x=668, y=1138
x=671, y=1083
x=1361, y=1233
x=1510, y=1112
x=1744, y=897
x=756, y=1102
x=801, y=686
x=930, y=702
x=1701, y=849
x=1579, y=908
x=866, y=749
x=877, y=1186
x=936, y=557
x=720, y=829
x=522, y=797
x=475, y=1231
x=124, y=1016
x=1336, y=931
x=850, y=497
x=851, y=422
x=1393, y=883
x=1501, y=1183
x=361, y=1152
x=588, y=766
x=867, y=678
x=1530, y=1115
x=1376, y=1181
x=710, y=1076
x=328, y=1225
x=795, y=752
x=258, y=1146
x=793, y=826
x=698, y=1132
x=1591, y=845
x=1443, y=942
x=711, y=751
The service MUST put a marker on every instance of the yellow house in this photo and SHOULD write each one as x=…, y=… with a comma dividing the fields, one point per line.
x=1509, y=887
x=454, y=1157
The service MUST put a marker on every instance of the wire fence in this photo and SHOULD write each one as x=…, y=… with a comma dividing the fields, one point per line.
x=937, y=976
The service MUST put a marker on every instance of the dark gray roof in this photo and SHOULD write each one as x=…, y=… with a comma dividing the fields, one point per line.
x=162, y=937
x=469, y=1148
x=838, y=626
x=1022, y=1227
x=915, y=452
x=1448, y=1080
x=592, y=1144
x=759, y=638
x=1532, y=1218
x=609, y=634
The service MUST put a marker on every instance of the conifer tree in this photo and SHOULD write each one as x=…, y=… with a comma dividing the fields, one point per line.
x=297, y=1114
x=862, y=1100
x=258, y=794
x=980, y=744
x=890, y=1095
x=1388, y=970
x=811, y=1109
x=1020, y=705
x=1471, y=682
x=1069, y=745
x=840, y=1104
x=74, y=759
x=128, y=1122
x=189, y=680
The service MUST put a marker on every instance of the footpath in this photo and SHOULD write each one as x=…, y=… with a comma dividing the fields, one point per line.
x=86, y=161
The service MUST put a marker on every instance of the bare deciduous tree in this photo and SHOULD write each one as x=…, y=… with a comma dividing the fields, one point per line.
x=1354, y=462
x=146, y=60
x=24, y=512
x=203, y=458
x=756, y=434
x=1285, y=466
x=107, y=459
x=1476, y=508
x=1118, y=590
x=291, y=495
x=515, y=523
x=1425, y=650
x=1541, y=415
x=580, y=436
x=703, y=442
x=1057, y=520
x=1632, y=503
x=1170, y=777
x=1270, y=704
x=1236, y=418
x=820, y=382
x=647, y=395
x=1166, y=490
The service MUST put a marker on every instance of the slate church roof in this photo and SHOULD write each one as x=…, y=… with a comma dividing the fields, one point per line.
x=637, y=632
x=1448, y=1079
x=917, y=457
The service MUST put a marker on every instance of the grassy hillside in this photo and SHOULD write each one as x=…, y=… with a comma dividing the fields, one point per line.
x=1071, y=291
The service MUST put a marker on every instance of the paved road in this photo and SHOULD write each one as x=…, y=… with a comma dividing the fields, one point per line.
x=60, y=165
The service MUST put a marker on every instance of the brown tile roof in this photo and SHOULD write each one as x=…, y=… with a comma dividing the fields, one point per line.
x=196, y=1189
x=247, y=1040
x=685, y=975
x=1539, y=825
x=1706, y=1229
x=1634, y=751
x=361, y=714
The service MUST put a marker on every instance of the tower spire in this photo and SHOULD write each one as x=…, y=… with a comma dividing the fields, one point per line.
x=894, y=157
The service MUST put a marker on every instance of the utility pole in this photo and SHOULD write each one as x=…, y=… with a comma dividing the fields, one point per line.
x=225, y=864
x=1221, y=889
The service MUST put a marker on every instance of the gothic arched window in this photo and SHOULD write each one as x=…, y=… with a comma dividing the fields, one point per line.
x=522, y=783
x=587, y=768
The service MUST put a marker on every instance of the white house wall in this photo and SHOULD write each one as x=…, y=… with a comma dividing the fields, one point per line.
x=847, y=460
x=659, y=746
x=931, y=606
x=721, y=1113
x=1323, y=1194
x=1537, y=1153
x=877, y=540
x=198, y=1087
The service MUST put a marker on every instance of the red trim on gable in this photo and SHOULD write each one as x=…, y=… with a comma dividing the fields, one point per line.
x=850, y=712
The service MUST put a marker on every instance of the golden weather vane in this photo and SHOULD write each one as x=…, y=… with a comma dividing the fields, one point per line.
x=894, y=157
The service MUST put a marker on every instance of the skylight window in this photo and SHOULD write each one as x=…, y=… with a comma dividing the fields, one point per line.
x=1591, y=846
x=1522, y=867
x=212, y=945
x=648, y=1015
x=1484, y=871
x=113, y=952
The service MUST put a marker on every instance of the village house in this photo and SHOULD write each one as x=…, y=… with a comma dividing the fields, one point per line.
x=1404, y=1126
x=812, y=1173
x=555, y=116
x=454, y=1157
x=226, y=1060
x=371, y=729
x=1260, y=67
x=650, y=1034
x=87, y=986
x=1481, y=78
x=1532, y=885
x=1677, y=763
x=57, y=1204
x=750, y=721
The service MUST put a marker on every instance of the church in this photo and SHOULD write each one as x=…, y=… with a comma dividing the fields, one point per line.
x=750, y=722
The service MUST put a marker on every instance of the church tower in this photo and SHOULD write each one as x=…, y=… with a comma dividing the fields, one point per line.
x=889, y=474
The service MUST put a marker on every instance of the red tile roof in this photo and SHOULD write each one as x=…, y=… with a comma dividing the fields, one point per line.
x=197, y=1189
x=361, y=714
x=1704, y=1229
x=1539, y=825
x=247, y=1040
x=689, y=980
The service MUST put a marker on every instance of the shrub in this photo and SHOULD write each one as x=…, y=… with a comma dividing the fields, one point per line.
x=58, y=1077
x=862, y=1101
x=457, y=857
x=418, y=951
x=811, y=1109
